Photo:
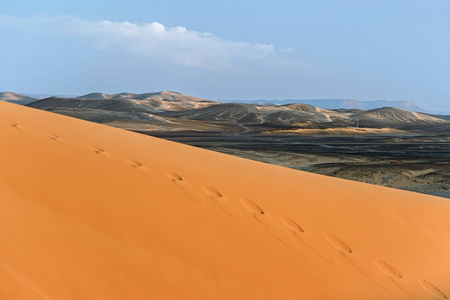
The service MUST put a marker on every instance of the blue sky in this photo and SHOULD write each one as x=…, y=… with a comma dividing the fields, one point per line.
x=367, y=50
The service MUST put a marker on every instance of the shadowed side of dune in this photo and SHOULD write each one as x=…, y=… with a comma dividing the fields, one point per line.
x=93, y=212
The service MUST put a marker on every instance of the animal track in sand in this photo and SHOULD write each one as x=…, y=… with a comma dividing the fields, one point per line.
x=252, y=207
x=361, y=264
x=55, y=137
x=100, y=151
x=222, y=202
x=338, y=244
x=291, y=225
x=137, y=165
x=211, y=191
x=173, y=176
x=271, y=225
x=430, y=288
x=303, y=239
x=182, y=185
x=13, y=124
x=387, y=269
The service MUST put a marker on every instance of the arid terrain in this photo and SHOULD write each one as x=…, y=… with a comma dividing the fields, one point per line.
x=383, y=146
x=94, y=212
x=224, y=150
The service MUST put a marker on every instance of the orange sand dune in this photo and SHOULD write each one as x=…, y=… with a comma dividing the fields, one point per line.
x=93, y=212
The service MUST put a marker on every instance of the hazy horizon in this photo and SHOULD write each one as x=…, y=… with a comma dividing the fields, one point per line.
x=233, y=50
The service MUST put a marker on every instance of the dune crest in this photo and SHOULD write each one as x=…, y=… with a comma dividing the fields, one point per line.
x=94, y=212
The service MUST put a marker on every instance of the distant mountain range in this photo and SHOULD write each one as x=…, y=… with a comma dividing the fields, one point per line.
x=173, y=101
x=43, y=96
x=341, y=103
x=127, y=102
x=16, y=98
x=169, y=107
x=300, y=113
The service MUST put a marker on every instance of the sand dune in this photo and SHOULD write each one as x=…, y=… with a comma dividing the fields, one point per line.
x=94, y=212
x=126, y=102
x=176, y=105
x=391, y=114
x=236, y=112
x=248, y=113
x=304, y=114
x=96, y=96
x=171, y=101
x=341, y=103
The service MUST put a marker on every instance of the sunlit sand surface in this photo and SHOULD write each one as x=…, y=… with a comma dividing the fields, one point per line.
x=94, y=212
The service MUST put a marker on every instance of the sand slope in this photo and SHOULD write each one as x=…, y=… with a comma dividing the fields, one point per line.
x=396, y=115
x=93, y=212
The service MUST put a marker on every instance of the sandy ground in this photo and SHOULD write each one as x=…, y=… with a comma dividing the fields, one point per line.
x=94, y=212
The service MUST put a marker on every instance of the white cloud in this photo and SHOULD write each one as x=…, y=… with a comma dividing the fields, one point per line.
x=174, y=45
